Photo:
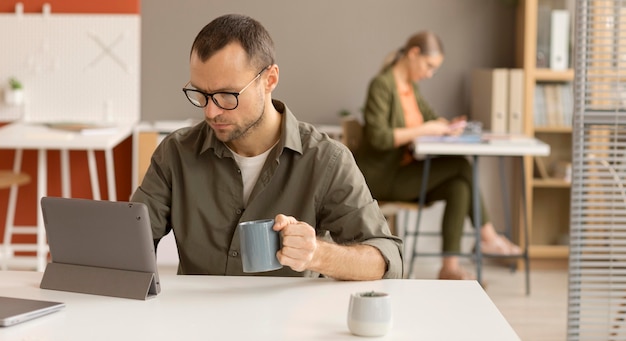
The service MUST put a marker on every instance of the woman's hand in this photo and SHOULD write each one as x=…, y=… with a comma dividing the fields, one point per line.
x=435, y=128
x=457, y=127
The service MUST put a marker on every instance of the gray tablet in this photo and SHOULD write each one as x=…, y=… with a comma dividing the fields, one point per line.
x=17, y=310
x=87, y=235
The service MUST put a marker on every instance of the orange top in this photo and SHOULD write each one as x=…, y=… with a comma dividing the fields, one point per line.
x=412, y=115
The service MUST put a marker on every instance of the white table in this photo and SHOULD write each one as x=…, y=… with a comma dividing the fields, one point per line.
x=20, y=136
x=502, y=147
x=516, y=147
x=258, y=308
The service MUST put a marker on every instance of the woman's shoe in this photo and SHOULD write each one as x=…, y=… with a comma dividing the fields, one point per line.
x=455, y=274
x=501, y=246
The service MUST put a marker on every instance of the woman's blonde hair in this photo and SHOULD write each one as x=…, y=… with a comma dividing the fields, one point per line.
x=428, y=42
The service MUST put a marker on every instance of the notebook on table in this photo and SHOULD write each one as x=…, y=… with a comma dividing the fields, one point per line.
x=100, y=247
x=17, y=310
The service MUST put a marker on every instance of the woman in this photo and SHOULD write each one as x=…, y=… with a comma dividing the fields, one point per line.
x=395, y=114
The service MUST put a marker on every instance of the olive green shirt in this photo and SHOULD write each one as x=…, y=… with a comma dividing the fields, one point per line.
x=194, y=187
x=377, y=156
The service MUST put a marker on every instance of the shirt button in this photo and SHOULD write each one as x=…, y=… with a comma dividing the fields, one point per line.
x=234, y=253
x=238, y=211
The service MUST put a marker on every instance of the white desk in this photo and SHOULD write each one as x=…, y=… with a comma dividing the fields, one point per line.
x=20, y=136
x=532, y=147
x=514, y=148
x=258, y=308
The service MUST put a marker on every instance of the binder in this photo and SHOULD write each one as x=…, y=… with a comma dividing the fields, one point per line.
x=544, y=12
x=516, y=101
x=489, y=103
x=559, y=39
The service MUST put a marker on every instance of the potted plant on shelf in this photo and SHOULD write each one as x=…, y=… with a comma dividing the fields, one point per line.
x=14, y=95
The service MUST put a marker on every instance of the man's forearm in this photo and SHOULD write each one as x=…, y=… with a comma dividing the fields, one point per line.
x=348, y=262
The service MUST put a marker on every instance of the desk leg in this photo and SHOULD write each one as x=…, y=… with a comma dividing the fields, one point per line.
x=478, y=223
x=93, y=174
x=508, y=232
x=66, y=184
x=42, y=191
x=108, y=155
x=526, y=235
x=422, y=202
x=507, y=216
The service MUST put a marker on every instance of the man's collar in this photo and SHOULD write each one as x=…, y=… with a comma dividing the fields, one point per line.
x=289, y=135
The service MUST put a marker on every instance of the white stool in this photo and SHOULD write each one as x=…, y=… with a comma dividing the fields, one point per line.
x=14, y=179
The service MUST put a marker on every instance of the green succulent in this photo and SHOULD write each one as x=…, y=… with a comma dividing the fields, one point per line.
x=14, y=83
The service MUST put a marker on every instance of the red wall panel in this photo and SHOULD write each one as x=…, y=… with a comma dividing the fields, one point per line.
x=75, y=6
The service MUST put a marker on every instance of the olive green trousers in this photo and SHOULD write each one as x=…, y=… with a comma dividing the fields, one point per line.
x=450, y=180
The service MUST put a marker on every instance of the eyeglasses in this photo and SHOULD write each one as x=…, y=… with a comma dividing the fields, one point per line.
x=223, y=99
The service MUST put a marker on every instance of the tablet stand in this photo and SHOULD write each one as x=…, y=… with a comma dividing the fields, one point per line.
x=99, y=281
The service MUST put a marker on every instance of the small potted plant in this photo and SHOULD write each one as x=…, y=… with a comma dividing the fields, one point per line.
x=14, y=95
x=344, y=113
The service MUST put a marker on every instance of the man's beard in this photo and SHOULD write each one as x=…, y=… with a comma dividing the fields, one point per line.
x=248, y=127
x=239, y=133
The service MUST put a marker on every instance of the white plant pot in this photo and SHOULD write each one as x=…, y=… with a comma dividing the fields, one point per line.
x=14, y=97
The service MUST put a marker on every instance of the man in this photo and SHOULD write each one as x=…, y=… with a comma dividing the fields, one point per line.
x=251, y=159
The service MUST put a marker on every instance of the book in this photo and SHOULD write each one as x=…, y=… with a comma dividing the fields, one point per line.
x=84, y=128
x=567, y=100
x=463, y=138
x=494, y=138
x=551, y=104
x=539, y=106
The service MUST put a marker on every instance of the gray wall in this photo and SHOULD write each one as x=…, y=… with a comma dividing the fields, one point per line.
x=328, y=51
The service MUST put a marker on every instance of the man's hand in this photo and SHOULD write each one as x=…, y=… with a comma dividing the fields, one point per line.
x=299, y=242
x=303, y=251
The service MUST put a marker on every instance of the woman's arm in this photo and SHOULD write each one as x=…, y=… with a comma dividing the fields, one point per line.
x=404, y=136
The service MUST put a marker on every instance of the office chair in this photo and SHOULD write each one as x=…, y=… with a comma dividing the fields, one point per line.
x=395, y=212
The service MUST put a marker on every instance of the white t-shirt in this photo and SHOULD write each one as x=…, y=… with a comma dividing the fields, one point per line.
x=250, y=170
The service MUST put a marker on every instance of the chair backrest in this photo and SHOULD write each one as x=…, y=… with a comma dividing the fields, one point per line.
x=352, y=133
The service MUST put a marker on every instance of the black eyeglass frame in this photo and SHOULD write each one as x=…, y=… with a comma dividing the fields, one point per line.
x=211, y=95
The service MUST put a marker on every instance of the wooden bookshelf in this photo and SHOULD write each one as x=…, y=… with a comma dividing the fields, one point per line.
x=548, y=198
x=547, y=75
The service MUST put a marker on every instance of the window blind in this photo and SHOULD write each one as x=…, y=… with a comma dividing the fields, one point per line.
x=597, y=261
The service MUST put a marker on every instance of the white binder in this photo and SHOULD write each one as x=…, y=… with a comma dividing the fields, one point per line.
x=489, y=103
x=516, y=101
x=559, y=40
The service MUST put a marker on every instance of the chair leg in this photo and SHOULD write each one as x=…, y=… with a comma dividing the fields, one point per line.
x=412, y=250
x=525, y=228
